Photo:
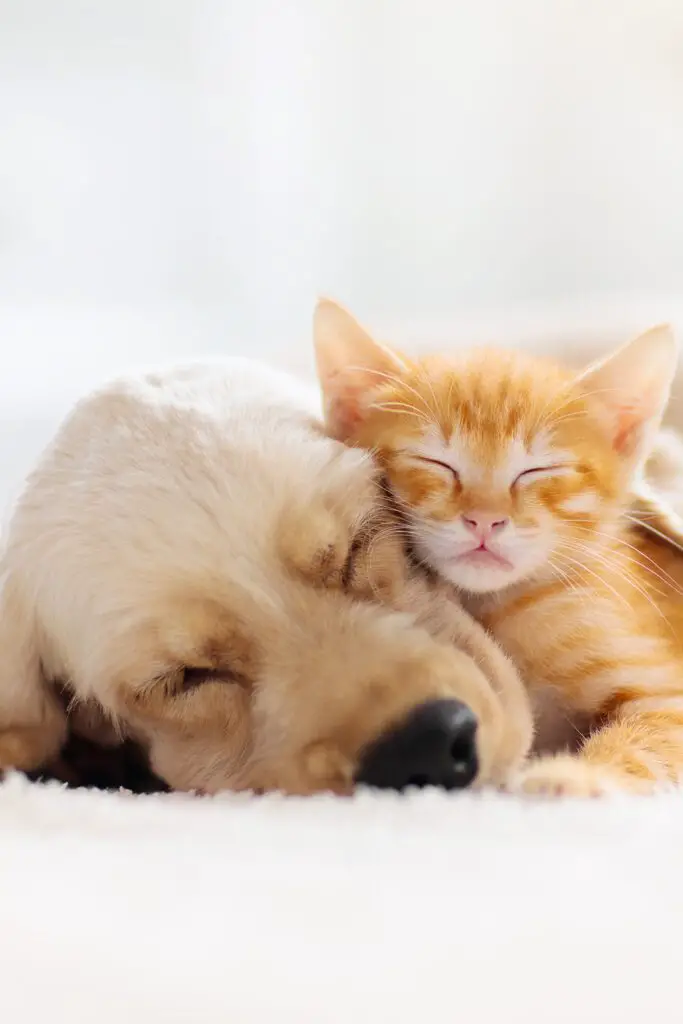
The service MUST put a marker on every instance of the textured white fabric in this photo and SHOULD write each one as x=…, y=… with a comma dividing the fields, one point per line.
x=330, y=911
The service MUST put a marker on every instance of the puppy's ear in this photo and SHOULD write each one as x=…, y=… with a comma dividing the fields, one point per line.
x=631, y=389
x=351, y=366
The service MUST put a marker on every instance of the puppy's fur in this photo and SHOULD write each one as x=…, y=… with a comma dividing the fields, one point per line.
x=212, y=576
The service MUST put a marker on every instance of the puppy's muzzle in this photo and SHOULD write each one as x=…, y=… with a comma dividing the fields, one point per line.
x=434, y=746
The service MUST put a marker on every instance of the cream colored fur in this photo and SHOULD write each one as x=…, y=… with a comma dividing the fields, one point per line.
x=198, y=519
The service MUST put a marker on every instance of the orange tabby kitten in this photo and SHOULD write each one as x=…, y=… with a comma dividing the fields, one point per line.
x=513, y=477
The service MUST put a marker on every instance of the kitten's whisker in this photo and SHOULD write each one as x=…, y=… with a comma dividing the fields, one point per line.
x=576, y=569
x=629, y=577
x=582, y=395
x=584, y=568
x=404, y=407
x=427, y=379
x=451, y=386
x=391, y=378
x=623, y=574
x=657, y=571
x=546, y=413
x=555, y=422
x=562, y=576
x=638, y=521
x=552, y=418
x=658, y=533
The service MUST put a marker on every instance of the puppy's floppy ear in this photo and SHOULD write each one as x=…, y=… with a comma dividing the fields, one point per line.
x=631, y=389
x=351, y=365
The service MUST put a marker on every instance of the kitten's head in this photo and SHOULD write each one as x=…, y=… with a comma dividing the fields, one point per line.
x=505, y=467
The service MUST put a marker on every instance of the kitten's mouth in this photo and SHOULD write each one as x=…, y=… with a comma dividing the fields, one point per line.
x=484, y=558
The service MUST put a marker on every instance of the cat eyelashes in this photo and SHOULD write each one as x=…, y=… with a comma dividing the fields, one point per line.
x=533, y=474
x=442, y=465
x=421, y=461
x=541, y=473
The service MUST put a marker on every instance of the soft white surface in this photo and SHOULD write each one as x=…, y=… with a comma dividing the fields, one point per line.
x=429, y=908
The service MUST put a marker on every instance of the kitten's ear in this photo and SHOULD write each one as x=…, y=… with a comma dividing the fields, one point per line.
x=632, y=387
x=350, y=365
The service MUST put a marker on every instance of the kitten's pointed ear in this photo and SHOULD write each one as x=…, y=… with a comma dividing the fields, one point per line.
x=350, y=365
x=631, y=386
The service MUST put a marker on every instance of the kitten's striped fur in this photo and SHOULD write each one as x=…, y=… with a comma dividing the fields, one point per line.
x=540, y=465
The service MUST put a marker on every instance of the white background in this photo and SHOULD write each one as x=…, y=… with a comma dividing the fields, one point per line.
x=184, y=176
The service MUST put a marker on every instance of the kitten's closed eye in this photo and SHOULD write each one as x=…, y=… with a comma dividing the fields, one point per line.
x=428, y=467
x=540, y=473
x=442, y=465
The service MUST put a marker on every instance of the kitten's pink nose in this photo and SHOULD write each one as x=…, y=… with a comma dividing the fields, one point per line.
x=484, y=524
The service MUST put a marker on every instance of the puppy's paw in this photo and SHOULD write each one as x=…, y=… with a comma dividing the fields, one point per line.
x=564, y=775
x=317, y=553
x=30, y=747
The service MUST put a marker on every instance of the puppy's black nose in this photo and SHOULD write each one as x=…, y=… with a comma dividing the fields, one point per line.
x=434, y=746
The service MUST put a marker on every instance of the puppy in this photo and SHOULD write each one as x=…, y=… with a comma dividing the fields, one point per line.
x=210, y=575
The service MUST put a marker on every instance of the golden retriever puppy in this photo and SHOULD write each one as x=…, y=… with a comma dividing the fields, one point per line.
x=212, y=576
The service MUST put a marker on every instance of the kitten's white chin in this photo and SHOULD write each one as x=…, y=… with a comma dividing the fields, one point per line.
x=479, y=579
x=477, y=571
x=478, y=575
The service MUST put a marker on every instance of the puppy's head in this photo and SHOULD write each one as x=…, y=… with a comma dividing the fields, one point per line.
x=245, y=631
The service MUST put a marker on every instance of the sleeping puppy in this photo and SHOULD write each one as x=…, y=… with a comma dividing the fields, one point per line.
x=209, y=575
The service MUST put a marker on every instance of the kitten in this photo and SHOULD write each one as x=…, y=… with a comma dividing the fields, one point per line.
x=514, y=477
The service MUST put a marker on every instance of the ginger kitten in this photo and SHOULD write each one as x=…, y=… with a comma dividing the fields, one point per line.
x=514, y=478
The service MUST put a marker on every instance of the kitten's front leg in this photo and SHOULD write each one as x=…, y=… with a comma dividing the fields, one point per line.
x=570, y=775
x=639, y=749
x=644, y=749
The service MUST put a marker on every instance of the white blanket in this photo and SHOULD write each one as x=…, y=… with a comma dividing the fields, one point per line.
x=426, y=908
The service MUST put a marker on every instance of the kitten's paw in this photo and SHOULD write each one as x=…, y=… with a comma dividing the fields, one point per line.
x=563, y=776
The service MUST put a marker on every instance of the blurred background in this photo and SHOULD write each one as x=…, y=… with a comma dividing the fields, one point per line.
x=183, y=177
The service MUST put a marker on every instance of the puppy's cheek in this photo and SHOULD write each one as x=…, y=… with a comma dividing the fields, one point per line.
x=320, y=767
x=211, y=708
x=328, y=768
x=201, y=740
x=203, y=766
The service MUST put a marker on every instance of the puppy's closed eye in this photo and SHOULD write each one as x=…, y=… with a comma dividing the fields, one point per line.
x=191, y=677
